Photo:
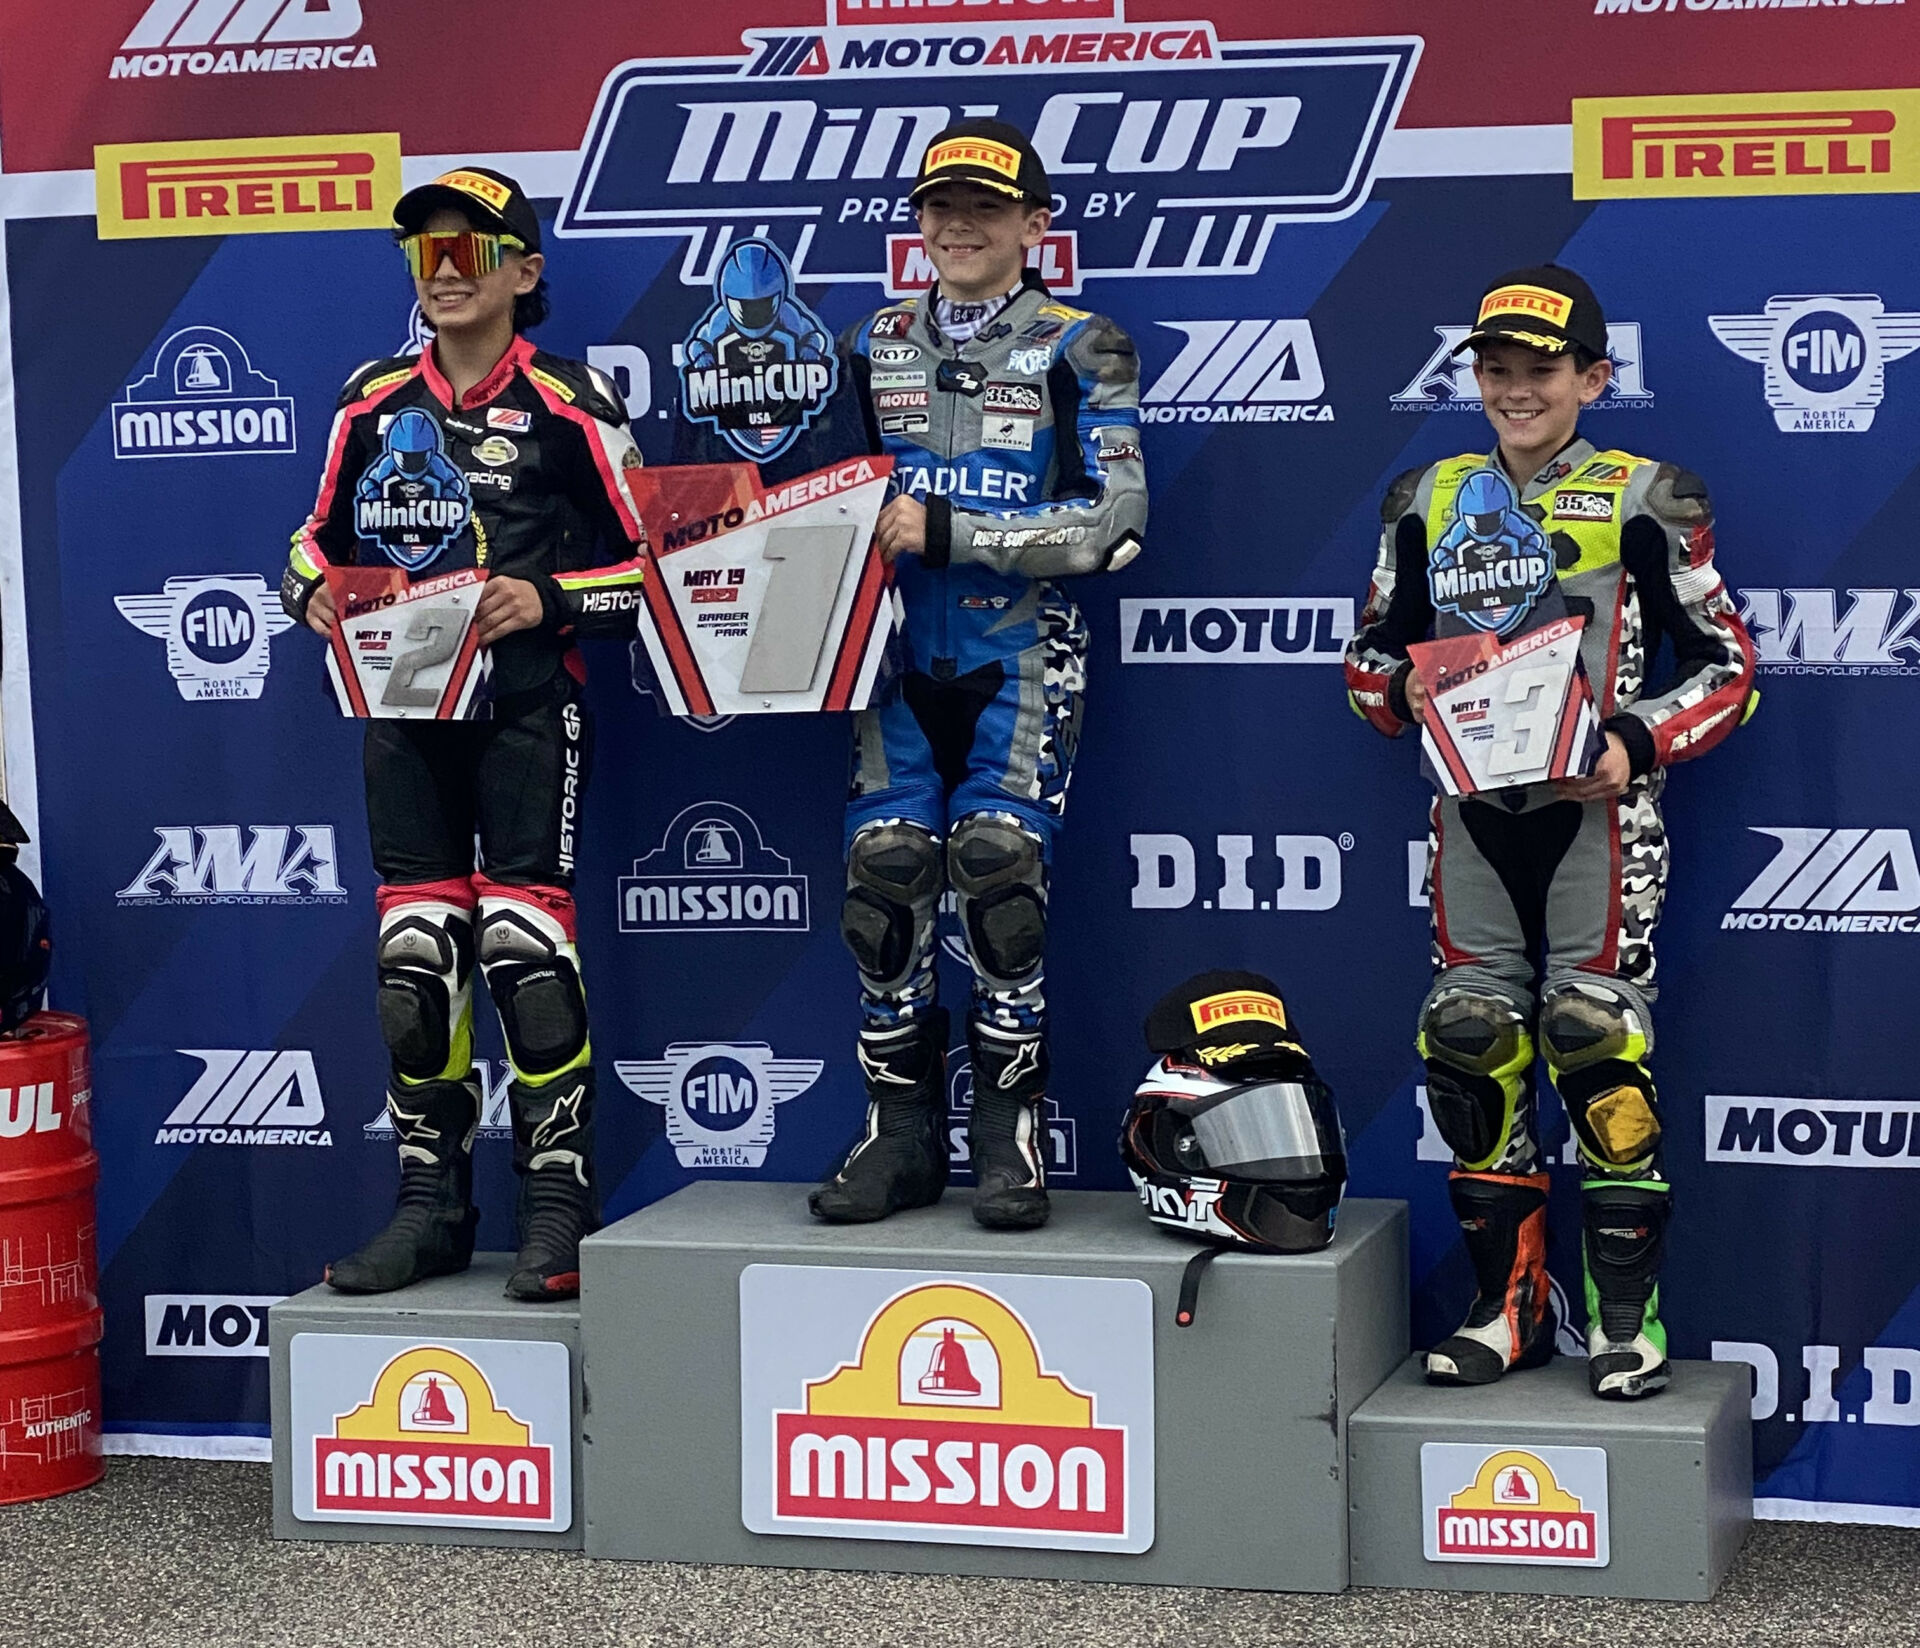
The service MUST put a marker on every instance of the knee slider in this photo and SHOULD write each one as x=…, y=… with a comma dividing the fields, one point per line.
x=1000, y=884
x=893, y=890
x=1596, y=1039
x=1478, y=1056
x=425, y=958
x=535, y=983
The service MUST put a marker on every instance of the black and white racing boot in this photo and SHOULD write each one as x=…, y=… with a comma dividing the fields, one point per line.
x=1007, y=1137
x=431, y=1232
x=899, y=1159
x=553, y=1154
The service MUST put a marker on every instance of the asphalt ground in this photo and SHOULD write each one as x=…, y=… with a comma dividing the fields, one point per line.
x=178, y=1553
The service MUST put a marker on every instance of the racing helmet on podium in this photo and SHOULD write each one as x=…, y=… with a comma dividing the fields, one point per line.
x=1233, y=1137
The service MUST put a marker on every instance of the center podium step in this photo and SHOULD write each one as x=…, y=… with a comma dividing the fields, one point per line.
x=922, y=1395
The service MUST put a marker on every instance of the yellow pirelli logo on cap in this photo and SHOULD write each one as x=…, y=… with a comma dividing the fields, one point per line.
x=1234, y=1006
x=1772, y=143
x=1551, y=307
x=246, y=185
x=483, y=189
x=975, y=151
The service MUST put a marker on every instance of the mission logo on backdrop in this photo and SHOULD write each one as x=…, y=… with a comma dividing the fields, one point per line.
x=1172, y=150
x=202, y=398
x=712, y=873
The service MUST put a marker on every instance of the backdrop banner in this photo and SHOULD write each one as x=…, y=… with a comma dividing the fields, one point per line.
x=1295, y=231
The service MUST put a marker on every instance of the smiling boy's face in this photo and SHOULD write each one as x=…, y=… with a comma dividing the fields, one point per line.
x=1533, y=399
x=978, y=239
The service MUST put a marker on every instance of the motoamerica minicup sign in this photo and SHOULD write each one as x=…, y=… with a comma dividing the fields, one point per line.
x=970, y=1410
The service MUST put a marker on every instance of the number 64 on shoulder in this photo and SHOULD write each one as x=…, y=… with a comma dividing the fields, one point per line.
x=406, y=651
x=1501, y=714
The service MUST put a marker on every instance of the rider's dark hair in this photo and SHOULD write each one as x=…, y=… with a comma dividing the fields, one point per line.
x=530, y=308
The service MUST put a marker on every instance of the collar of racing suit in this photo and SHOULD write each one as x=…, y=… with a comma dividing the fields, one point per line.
x=519, y=352
x=1551, y=473
x=1026, y=297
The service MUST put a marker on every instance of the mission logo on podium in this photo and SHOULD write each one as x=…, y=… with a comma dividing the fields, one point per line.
x=1541, y=1506
x=466, y=1433
x=975, y=1410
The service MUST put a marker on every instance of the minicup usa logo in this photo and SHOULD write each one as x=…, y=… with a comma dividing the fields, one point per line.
x=948, y=1414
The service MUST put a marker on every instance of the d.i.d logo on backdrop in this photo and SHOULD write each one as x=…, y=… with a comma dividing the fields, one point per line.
x=203, y=398
x=719, y=1097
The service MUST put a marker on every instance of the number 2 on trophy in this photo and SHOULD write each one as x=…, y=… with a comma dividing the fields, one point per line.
x=1541, y=690
x=440, y=634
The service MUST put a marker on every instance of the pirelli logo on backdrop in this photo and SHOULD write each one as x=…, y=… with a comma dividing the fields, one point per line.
x=251, y=185
x=1781, y=143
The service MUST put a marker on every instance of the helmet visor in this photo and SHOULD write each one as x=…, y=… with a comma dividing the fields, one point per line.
x=754, y=314
x=1271, y=1130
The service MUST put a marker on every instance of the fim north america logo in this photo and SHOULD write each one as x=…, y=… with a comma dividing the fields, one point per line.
x=719, y=1097
x=203, y=398
x=216, y=630
x=713, y=873
x=1824, y=358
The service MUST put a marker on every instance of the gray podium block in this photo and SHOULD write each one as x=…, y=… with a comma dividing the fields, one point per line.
x=1679, y=1472
x=1251, y=1402
x=468, y=1306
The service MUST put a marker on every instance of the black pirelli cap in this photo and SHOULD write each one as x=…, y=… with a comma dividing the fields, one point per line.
x=1546, y=308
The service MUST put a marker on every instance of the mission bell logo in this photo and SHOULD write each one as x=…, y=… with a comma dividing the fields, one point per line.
x=1545, y=1506
x=432, y=1440
x=948, y=1416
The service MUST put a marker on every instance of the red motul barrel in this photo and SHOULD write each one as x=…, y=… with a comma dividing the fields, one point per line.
x=49, y=1274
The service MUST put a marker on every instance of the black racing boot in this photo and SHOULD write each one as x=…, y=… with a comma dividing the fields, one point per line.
x=1625, y=1230
x=1007, y=1137
x=553, y=1154
x=900, y=1158
x=1504, y=1219
x=431, y=1232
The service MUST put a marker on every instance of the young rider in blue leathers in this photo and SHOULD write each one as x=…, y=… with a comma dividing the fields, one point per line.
x=1014, y=427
